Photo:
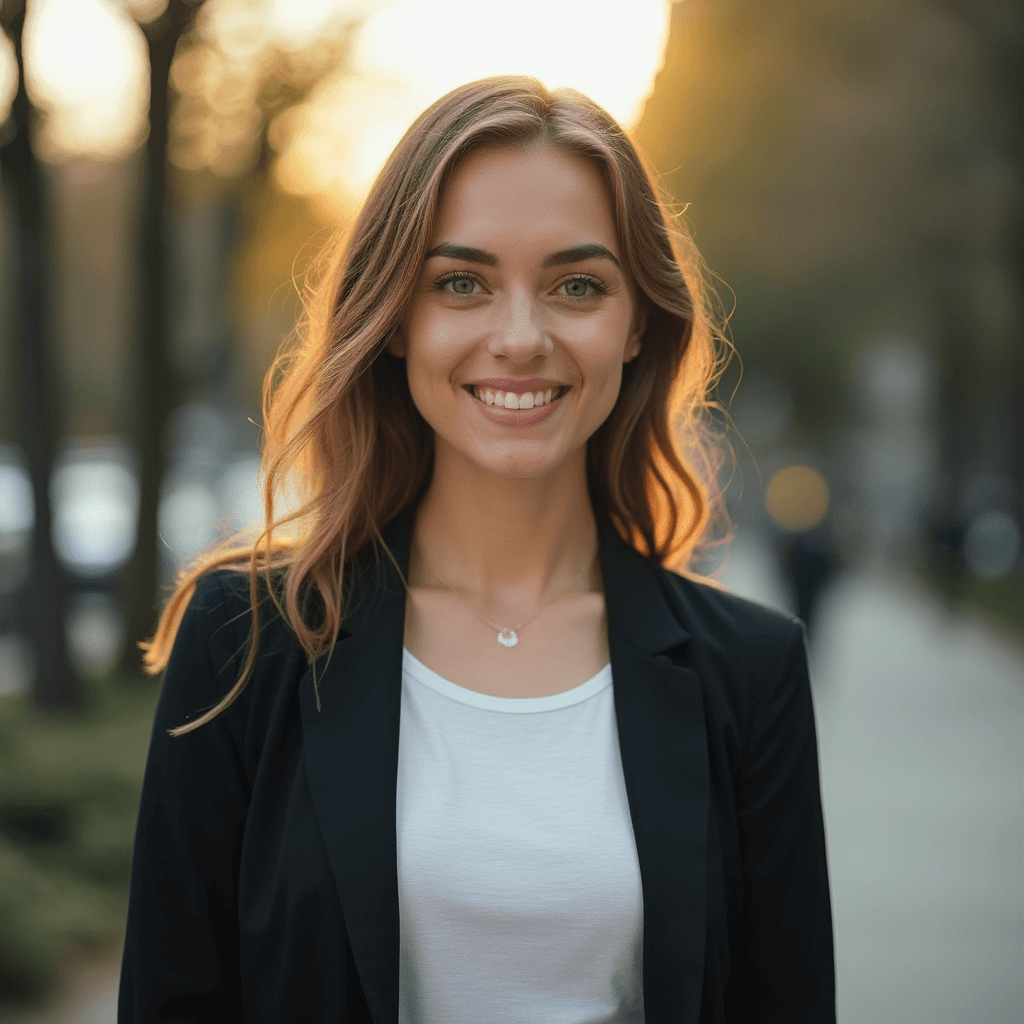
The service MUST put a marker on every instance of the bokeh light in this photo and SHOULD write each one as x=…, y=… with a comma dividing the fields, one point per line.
x=17, y=513
x=297, y=24
x=96, y=502
x=145, y=11
x=244, y=60
x=797, y=497
x=95, y=632
x=86, y=66
x=188, y=519
x=8, y=76
x=992, y=545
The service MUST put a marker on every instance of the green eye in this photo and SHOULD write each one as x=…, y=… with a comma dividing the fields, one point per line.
x=461, y=285
x=581, y=288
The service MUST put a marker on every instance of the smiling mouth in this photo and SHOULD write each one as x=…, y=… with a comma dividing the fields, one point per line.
x=511, y=400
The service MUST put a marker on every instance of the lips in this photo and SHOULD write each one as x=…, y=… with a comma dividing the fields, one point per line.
x=517, y=385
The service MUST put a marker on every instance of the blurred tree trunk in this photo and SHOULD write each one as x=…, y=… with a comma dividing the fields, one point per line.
x=952, y=327
x=1013, y=89
x=1016, y=376
x=56, y=685
x=154, y=383
x=997, y=29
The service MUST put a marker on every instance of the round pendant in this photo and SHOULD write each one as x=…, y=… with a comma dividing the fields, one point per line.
x=508, y=638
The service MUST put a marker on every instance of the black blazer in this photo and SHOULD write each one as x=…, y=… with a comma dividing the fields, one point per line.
x=263, y=879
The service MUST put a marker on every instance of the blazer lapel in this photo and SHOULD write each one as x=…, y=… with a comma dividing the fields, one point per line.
x=352, y=766
x=659, y=712
x=352, y=760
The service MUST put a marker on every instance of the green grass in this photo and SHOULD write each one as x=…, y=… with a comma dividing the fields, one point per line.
x=1000, y=601
x=69, y=790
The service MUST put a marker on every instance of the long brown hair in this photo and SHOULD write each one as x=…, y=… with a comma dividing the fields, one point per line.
x=346, y=446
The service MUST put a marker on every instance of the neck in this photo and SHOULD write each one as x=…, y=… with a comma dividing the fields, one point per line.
x=510, y=543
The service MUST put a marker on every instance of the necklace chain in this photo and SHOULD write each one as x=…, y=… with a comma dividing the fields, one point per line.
x=507, y=637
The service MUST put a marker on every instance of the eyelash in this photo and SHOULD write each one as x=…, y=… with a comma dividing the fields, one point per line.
x=458, y=275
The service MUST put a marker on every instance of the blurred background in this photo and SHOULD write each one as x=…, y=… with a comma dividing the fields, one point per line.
x=852, y=172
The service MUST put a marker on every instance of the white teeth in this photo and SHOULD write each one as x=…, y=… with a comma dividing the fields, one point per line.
x=510, y=400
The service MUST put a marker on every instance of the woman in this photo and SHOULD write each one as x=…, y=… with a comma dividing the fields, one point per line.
x=456, y=745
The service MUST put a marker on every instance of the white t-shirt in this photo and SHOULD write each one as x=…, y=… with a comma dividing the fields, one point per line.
x=518, y=882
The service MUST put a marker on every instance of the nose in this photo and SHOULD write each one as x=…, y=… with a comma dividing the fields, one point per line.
x=520, y=334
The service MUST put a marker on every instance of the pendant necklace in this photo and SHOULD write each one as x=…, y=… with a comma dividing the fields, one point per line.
x=507, y=636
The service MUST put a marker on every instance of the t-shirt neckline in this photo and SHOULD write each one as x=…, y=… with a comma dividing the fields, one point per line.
x=421, y=673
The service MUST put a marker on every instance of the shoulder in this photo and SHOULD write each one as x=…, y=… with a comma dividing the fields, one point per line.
x=730, y=629
x=220, y=599
x=220, y=614
x=210, y=651
x=751, y=658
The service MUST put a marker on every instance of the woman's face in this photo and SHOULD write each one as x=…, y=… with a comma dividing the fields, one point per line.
x=523, y=314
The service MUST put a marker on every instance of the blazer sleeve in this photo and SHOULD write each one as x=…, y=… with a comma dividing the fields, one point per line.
x=181, y=953
x=783, y=970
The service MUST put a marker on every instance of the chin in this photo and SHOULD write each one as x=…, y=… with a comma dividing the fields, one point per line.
x=519, y=467
x=521, y=470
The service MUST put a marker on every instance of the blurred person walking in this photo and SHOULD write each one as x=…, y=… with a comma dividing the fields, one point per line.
x=810, y=562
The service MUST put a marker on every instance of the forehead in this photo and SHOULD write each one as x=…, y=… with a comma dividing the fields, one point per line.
x=524, y=198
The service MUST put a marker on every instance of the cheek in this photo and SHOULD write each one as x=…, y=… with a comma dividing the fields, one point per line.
x=431, y=362
x=606, y=394
x=422, y=347
x=422, y=384
x=600, y=352
x=432, y=357
x=601, y=365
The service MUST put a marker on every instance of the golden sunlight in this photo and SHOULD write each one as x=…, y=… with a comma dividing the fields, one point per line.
x=410, y=52
x=86, y=67
x=296, y=24
x=8, y=76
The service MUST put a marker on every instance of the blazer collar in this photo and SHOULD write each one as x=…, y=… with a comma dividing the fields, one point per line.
x=351, y=701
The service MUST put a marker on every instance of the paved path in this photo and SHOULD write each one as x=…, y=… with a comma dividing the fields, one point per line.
x=98, y=1006
x=921, y=739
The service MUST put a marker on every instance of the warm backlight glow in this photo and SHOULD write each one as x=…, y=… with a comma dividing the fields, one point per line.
x=797, y=497
x=8, y=76
x=86, y=66
x=296, y=24
x=410, y=52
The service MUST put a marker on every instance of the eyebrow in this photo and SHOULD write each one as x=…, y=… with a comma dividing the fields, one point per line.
x=576, y=254
x=579, y=253
x=463, y=252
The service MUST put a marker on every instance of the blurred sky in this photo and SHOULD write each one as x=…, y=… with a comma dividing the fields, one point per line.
x=404, y=55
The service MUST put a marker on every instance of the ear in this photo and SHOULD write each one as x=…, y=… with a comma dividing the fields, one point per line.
x=396, y=344
x=633, y=342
